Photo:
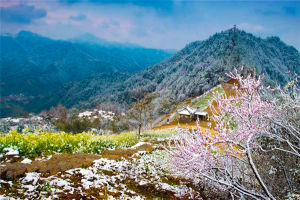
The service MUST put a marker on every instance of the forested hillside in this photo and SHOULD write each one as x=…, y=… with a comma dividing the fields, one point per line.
x=194, y=70
x=33, y=66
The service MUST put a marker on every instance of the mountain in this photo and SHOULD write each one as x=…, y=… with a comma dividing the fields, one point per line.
x=190, y=72
x=193, y=70
x=92, y=39
x=33, y=66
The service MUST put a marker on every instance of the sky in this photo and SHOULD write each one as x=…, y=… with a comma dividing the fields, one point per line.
x=165, y=24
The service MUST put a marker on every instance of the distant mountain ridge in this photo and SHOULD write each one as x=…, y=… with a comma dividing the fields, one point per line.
x=34, y=65
x=92, y=39
x=195, y=69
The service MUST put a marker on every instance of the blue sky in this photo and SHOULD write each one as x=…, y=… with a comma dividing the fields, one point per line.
x=167, y=24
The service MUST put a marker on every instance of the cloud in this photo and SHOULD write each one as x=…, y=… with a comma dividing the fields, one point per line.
x=23, y=14
x=110, y=24
x=79, y=17
x=159, y=23
x=251, y=27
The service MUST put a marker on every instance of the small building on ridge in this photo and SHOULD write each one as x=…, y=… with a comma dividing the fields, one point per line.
x=188, y=113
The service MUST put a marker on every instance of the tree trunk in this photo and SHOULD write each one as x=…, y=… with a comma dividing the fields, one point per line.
x=255, y=171
x=140, y=127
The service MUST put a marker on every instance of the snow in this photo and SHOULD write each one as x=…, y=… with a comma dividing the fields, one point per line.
x=140, y=144
x=17, y=120
x=143, y=182
x=10, y=151
x=30, y=182
x=3, y=197
x=108, y=174
x=45, y=158
x=31, y=177
x=60, y=182
x=9, y=182
x=85, y=114
x=36, y=118
x=26, y=161
x=29, y=188
x=97, y=114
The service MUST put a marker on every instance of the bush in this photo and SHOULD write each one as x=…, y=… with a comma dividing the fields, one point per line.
x=74, y=125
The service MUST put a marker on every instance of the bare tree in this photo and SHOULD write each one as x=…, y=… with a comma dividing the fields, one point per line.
x=142, y=109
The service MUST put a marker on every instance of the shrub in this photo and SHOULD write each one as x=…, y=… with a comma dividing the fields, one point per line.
x=74, y=125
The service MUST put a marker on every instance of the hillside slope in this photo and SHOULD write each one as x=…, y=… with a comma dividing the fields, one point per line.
x=34, y=66
x=190, y=72
x=199, y=67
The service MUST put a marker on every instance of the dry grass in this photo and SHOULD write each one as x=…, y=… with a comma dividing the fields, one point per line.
x=202, y=102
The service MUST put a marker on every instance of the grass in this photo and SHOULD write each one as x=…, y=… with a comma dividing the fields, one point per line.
x=203, y=100
x=163, y=134
x=202, y=103
x=37, y=144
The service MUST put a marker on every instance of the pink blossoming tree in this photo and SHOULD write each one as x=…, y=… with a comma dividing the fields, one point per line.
x=225, y=157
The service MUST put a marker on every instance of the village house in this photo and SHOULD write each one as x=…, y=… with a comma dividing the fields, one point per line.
x=190, y=114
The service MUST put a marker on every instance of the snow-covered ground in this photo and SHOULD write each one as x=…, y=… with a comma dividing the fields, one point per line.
x=136, y=178
x=33, y=122
x=97, y=114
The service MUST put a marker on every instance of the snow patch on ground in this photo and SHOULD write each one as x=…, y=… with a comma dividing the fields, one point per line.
x=26, y=161
x=32, y=177
x=44, y=158
x=3, y=197
x=139, y=144
x=10, y=151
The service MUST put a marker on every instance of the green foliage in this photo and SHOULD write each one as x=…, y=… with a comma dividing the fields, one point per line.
x=202, y=101
x=44, y=188
x=162, y=134
x=118, y=125
x=74, y=125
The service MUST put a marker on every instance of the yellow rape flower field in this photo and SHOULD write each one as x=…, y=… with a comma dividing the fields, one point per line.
x=32, y=145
